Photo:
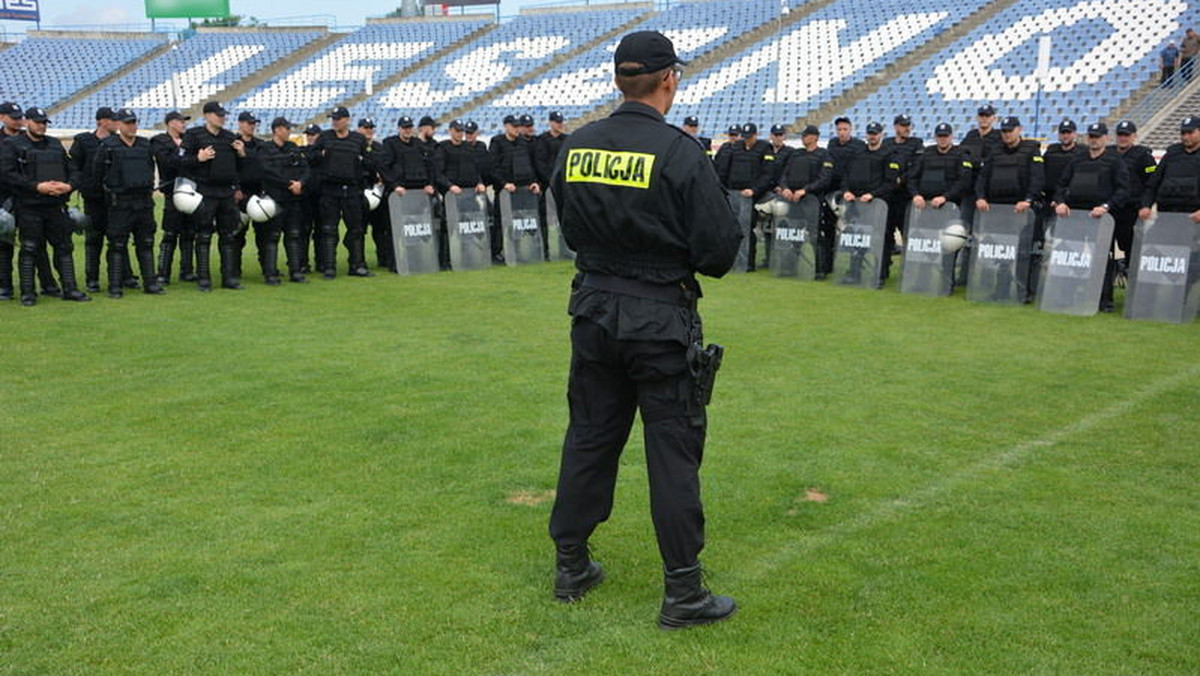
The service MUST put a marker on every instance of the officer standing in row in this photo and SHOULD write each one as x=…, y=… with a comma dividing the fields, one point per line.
x=380, y=218
x=513, y=168
x=455, y=165
x=311, y=235
x=545, y=152
x=808, y=171
x=342, y=155
x=1139, y=160
x=691, y=124
x=745, y=168
x=213, y=157
x=906, y=149
x=872, y=173
x=984, y=138
x=842, y=147
x=176, y=227
x=405, y=164
x=39, y=173
x=11, y=116
x=251, y=180
x=285, y=180
x=83, y=151
x=640, y=235
x=483, y=158
x=733, y=135
x=1175, y=184
x=123, y=166
x=943, y=173
x=1057, y=157
x=1014, y=175
x=1095, y=180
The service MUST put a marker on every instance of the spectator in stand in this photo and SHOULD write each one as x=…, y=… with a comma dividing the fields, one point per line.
x=1169, y=58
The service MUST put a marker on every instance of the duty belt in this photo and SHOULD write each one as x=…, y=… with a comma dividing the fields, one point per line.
x=676, y=294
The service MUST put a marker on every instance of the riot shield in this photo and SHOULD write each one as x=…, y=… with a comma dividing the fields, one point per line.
x=794, y=250
x=999, y=262
x=928, y=267
x=1073, y=264
x=466, y=221
x=414, y=234
x=519, y=224
x=559, y=251
x=743, y=208
x=858, y=260
x=1164, y=275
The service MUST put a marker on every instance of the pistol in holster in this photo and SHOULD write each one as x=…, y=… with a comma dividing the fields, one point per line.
x=704, y=362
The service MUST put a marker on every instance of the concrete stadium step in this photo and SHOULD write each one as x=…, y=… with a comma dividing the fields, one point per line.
x=766, y=31
x=532, y=75
x=1122, y=109
x=362, y=94
x=255, y=79
x=105, y=81
x=874, y=82
x=1160, y=128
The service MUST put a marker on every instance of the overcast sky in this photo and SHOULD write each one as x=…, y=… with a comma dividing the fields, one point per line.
x=79, y=12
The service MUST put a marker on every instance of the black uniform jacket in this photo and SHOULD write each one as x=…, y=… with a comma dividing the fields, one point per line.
x=1089, y=182
x=1012, y=175
x=24, y=163
x=938, y=174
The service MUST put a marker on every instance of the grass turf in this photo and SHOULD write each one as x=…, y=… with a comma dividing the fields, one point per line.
x=352, y=477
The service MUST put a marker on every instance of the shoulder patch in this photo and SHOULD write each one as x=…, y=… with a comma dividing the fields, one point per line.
x=1038, y=158
x=1151, y=169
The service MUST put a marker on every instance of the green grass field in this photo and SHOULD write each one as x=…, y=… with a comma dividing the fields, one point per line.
x=353, y=477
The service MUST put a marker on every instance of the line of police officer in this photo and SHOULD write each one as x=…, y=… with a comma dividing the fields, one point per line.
x=992, y=164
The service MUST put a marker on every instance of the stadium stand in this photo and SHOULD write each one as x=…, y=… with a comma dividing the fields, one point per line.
x=585, y=81
x=192, y=71
x=504, y=55
x=1102, y=50
x=49, y=66
x=374, y=53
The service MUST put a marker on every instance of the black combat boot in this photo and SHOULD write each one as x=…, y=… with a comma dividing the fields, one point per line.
x=229, y=275
x=295, y=259
x=145, y=256
x=203, y=264
x=66, y=270
x=269, y=258
x=575, y=573
x=91, y=264
x=187, y=256
x=328, y=260
x=26, y=267
x=7, y=258
x=686, y=603
x=358, y=258
x=46, y=274
x=131, y=280
x=116, y=271
x=166, y=259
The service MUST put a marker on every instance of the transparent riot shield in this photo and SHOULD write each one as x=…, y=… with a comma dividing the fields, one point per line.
x=999, y=262
x=794, y=250
x=466, y=222
x=858, y=260
x=1073, y=263
x=414, y=233
x=519, y=225
x=559, y=251
x=743, y=208
x=1164, y=273
x=928, y=268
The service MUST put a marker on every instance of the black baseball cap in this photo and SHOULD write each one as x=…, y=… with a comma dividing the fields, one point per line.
x=874, y=128
x=653, y=50
x=281, y=122
x=427, y=121
x=456, y=124
x=105, y=113
x=312, y=129
x=215, y=108
x=943, y=129
x=778, y=129
x=510, y=119
x=12, y=110
x=339, y=112
x=36, y=114
x=986, y=109
x=525, y=121
x=1097, y=129
x=404, y=122
x=734, y=129
x=1066, y=126
x=1126, y=127
x=1189, y=123
x=247, y=116
x=124, y=115
x=471, y=126
x=902, y=120
x=1009, y=123
x=691, y=121
x=810, y=130
x=749, y=129
x=556, y=116
x=176, y=115
x=367, y=122
x=841, y=120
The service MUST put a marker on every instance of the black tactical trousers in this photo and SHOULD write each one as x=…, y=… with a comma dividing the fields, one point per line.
x=609, y=381
x=130, y=216
x=38, y=226
x=345, y=205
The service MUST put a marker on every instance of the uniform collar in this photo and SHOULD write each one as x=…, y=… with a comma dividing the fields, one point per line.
x=638, y=108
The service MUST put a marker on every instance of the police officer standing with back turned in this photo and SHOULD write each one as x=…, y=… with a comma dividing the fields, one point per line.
x=342, y=155
x=176, y=227
x=285, y=179
x=41, y=177
x=124, y=168
x=1095, y=180
x=1014, y=175
x=212, y=157
x=644, y=212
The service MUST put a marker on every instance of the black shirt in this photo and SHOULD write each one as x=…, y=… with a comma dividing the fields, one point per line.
x=811, y=171
x=455, y=164
x=341, y=160
x=1056, y=158
x=24, y=163
x=1012, y=174
x=122, y=169
x=83, y=152
x=942, y=174
x=404, y=163
x=1175, y=184
x=282, y=164
x=219, y=176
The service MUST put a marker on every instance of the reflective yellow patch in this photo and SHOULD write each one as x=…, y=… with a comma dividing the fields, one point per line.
x=1037, y=158
x=769, y=158
x=1150, y=169
x=893, y=165
x=610, y=167
x=968, y=165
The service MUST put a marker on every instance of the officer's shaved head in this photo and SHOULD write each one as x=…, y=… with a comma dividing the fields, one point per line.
x=640, y=86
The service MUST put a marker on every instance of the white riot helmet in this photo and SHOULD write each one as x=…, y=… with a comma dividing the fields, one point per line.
x=8, y=224
x=954, y=237
x=261, y=208
x=374, y=196
x=185, y=196
x=80, y=221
